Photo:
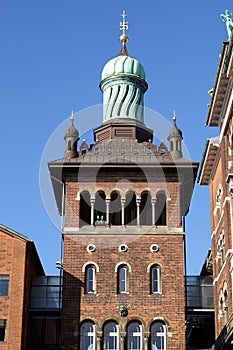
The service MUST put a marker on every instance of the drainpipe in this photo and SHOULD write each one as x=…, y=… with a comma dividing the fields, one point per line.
x=185, y=276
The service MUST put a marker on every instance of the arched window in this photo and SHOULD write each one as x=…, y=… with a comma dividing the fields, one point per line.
x=155, y=282
x=115, y=208
x=146, y=209
x=87, y=336
x=85, y=209
x=90, y=279
x=111, y=336
x=122, y=279
x=158, y=336
x=130, y=209
x=100, y=208
x=161, y=210
x=134, y=336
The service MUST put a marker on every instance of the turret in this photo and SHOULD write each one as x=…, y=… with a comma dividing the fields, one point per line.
x=71, y=138
x=175, y=140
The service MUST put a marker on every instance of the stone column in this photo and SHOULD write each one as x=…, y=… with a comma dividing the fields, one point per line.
x=107, y=210
x=122, y=340
x=146, y=338
x=153, y=202
x=123, y=212
x=92, y=211
x=138, y=211
x=99, y=340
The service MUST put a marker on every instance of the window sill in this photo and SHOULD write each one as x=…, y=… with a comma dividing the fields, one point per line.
x=157, y=294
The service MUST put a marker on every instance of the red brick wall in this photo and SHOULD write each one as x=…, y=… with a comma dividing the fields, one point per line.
x=221, y=223
x=102, y=306
x=12, y=262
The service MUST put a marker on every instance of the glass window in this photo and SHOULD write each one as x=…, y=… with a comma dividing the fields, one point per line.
x=87, y=336
x=111, y=338
x=90, y=279
x=155, y=279
x=3, y=330
x=158, y=336
x=134, y=336
x=4, y=285
x=122, y=279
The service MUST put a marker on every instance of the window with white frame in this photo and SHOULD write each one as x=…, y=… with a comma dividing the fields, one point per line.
x=90, y=279
x=155, y=279
x=158, y=336
x=134, y=336
x=122, y=279
x=221, y=248
x=87, y=336
x=111, y=336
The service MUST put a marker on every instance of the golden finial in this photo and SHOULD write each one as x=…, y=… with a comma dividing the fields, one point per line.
x=123, y=27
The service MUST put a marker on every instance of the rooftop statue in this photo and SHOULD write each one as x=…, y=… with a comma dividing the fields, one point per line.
x=229, y=22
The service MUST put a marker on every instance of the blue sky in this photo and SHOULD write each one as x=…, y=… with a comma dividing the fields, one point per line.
x=52, y=54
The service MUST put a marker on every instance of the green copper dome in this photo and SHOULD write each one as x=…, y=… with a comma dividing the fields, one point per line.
x=123, y=65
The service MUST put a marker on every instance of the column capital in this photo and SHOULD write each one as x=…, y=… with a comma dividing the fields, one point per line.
x=122, y=334
x=99, y=335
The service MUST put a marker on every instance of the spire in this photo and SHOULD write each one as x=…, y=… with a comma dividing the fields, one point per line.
x=123, y=38
x=71, y=138
x=175, y=139
x=123, y=84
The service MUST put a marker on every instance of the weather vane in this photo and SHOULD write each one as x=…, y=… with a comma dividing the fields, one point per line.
x=123, y=25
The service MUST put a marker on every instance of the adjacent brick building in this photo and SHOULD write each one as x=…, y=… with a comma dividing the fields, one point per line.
x=217, y=172
x=123, y=200
x=19, y=263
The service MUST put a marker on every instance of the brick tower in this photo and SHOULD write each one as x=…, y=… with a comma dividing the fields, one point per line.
x=123, y=199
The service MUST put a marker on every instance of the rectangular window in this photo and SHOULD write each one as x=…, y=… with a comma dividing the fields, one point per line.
x=4, y=285
x=90, y=280
x=155, y=272
x=123, y=280
x=2, y=330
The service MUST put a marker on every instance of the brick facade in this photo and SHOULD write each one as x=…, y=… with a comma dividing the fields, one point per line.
x=216, y=171
x=19, y=261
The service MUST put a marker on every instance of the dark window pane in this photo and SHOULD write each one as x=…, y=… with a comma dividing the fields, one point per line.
x=4, y=285
x=2, y=330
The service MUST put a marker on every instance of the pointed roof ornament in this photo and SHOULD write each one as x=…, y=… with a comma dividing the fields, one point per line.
x=174, y=131
x=72, y=132
x=124, y=38
x=174, y=117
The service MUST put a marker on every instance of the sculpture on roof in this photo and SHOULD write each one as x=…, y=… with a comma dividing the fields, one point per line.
x=229, y=22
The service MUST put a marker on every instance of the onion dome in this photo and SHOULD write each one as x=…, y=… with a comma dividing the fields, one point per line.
x=71, y=132
x=123, y=64
x=175, y=139
x=174, y=131
x=71, y=138
x=123, y=84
